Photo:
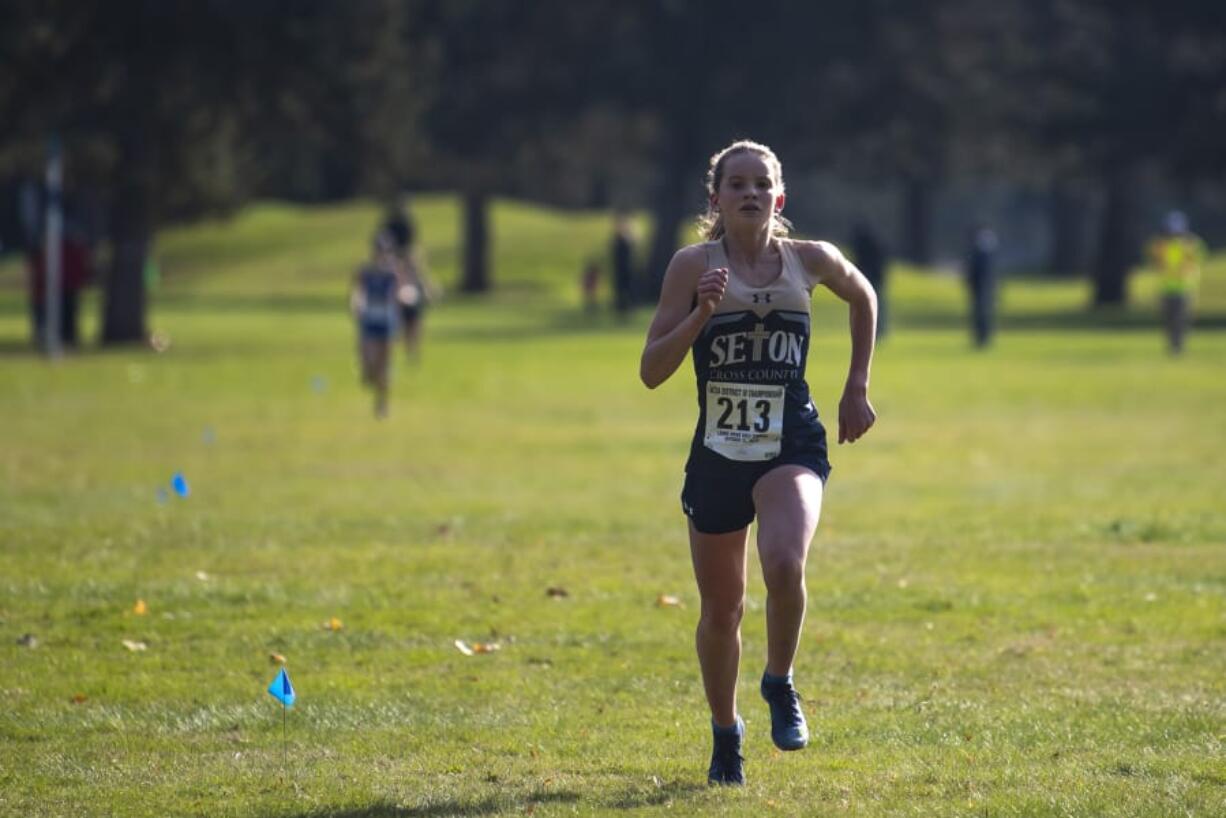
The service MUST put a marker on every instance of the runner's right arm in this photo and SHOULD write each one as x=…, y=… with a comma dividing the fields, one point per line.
x=678, y=319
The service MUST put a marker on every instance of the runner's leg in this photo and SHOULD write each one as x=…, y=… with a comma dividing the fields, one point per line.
x=788, y=501
x=719, y=568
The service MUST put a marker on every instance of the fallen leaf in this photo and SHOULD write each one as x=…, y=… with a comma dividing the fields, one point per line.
x=476, y=647
x=159, y=342
x=79, y=698
x=276, y=658
x=27, y=640
x=556, y=592
x=668, y=601
x=140, y=608
x=133, y=645
x=332, y=624
x=202, y=576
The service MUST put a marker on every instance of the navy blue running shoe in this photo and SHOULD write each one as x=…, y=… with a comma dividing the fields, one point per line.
x=788, y=728
x=727, y=763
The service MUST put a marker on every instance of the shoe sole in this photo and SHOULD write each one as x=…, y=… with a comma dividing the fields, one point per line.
x=787, y=748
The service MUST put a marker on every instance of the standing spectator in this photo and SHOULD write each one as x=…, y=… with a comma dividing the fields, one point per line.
x=872, y=259
x=76, y=271
x=981, y=283
x=1177, y=254
x=623, y=264
x=589, y=284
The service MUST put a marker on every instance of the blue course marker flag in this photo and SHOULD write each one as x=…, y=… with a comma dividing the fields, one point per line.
x=179, y=484
x=282, y=690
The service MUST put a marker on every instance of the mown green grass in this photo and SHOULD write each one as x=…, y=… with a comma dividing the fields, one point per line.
x=1017, y=595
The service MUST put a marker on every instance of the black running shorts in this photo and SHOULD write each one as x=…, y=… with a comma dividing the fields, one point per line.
x=719, y=498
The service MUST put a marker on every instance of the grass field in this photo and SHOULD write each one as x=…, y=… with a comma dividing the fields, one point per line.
x=1017, y=594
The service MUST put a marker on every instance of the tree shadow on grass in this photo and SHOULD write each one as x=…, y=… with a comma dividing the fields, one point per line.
x=1129, y=320
x=492, y=805
x=665, y=793
x=23, y=347
x=631, y=799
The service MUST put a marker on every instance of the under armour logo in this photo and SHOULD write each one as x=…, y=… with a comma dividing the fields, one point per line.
x=761, y=298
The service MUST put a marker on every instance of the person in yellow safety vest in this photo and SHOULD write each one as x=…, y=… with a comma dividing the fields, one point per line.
x=1177, y=254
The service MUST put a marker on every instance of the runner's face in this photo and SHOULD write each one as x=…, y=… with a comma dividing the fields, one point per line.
x=748, y=194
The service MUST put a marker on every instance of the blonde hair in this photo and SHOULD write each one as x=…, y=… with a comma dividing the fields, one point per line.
x=711, y=223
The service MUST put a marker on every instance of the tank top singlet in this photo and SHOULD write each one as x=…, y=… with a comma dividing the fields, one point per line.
x=379, y=306
x=749, y=361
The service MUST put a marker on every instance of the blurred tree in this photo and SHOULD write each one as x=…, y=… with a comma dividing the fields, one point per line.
x=1127, y=85
x=706, y=73
x=524, y=107
x=924, y=97
x=677, y=80
x=175, y=109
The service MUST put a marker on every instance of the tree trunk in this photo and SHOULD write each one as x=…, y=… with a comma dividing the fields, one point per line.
x=131, y=227
x=917, y=220
x=670, y=206
x=476, y=278
x=123, y=320
x=667, y=214
x=1116, y=241
x=1066, y=214
x=124, y=298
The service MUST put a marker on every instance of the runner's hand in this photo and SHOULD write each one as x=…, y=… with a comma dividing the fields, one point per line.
x=856, y=415
x=711, y=287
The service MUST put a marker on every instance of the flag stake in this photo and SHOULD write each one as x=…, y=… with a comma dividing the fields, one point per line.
x=282, y=690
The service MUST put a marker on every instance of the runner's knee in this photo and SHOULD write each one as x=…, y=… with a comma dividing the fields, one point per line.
x=724, y=617
x=783, y=571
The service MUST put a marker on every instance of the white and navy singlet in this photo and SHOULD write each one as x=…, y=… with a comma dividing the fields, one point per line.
x=749, y=360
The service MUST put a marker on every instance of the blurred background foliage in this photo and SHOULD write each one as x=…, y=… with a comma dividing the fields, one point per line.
x=1071, y=124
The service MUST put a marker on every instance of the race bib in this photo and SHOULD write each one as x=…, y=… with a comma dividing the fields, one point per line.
x=744, y=421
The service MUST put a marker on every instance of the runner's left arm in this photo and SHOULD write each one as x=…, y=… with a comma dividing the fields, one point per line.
x=840, y=276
